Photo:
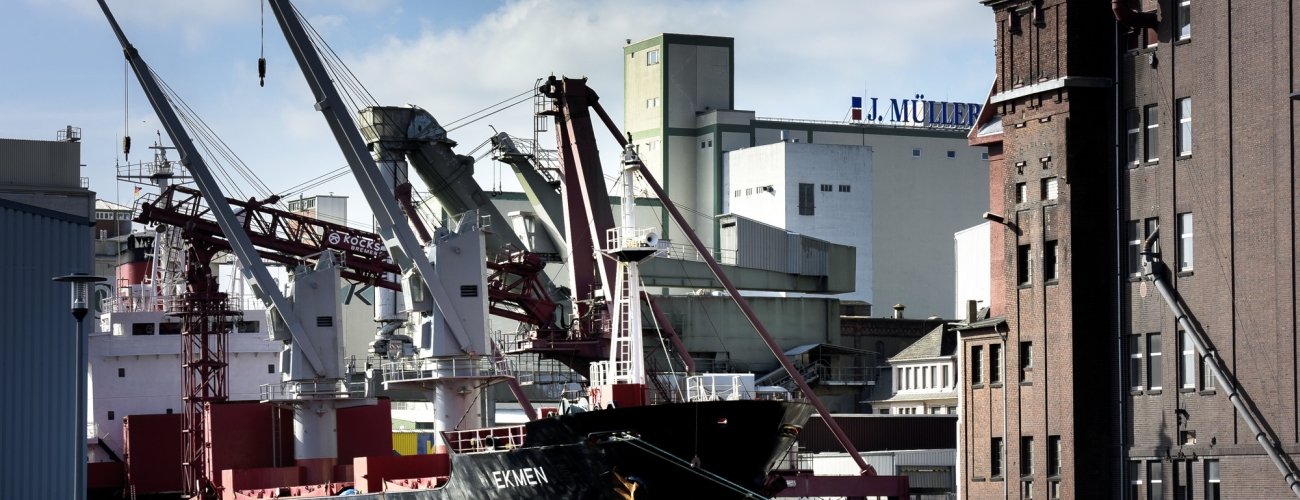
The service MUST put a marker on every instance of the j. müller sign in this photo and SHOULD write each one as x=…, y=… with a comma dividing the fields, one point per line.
x=918, y=112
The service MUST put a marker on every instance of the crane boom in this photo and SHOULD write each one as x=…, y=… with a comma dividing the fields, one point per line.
x=191, y=159
x=398, y=236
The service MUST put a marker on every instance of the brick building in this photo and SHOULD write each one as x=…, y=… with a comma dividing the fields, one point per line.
x=1181, y=117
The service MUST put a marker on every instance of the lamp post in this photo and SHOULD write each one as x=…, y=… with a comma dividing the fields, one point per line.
x=80, y=302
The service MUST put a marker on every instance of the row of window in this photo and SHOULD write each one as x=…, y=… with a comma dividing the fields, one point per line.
x=922, y=377
x=912, y=410
x=1182, y=475
x=1138, y=231
x=1049, y=189
x=109, y=216
x=952, y=155
x=995, y=363
x=1182, y=20
x=1144, y=136
x=998, y=455
x=758, y=190
x=807, y=206
x=1146, y=367
x=1025, y=263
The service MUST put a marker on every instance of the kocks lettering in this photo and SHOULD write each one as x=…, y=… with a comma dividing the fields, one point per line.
x=527, y=476
x=354, y=243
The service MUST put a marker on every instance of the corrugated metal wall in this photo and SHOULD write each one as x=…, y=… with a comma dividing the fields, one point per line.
x=752, y=244
x=40, y=442
x=40, y=163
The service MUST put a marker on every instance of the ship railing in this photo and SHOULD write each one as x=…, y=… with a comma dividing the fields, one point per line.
x=483, y=440
x=716, y=387
x=600, y=373
x=794, y=460
x=434, y=368
x=683, y=251
x=294, y=390
x=620, y=238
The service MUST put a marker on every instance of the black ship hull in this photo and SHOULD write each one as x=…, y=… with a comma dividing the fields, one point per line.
x=716, y=450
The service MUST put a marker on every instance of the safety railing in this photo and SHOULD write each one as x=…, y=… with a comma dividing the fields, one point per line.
x=312, y=389
x=435, y=368
x=482, y=440
x=682, y=251
x=716, y=387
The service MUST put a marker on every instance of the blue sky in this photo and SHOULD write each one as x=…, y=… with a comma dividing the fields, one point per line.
x=62, y=66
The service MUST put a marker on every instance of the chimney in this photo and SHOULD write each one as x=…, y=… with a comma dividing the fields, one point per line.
x=972, y=310
x=898, y=311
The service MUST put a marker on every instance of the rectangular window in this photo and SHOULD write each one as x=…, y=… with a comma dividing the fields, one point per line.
x=1185, y=126
x=1155, y=367
x=652, y=58
x=1051, y=262
x=995, y=364
x=1183, y=480
x=1054, y=456
x=1049, y=191
x=916, y=153
x=1155, y=480
x=984, y=156
x=826, y=187
x=121, y=372
x=1184, y=19
x=933, y=374
x=1153, y=133
x=844, y=188
x=1024, y=265
x=749, y=191
x=270, y=368
x=1134, y=248
x=1134, y=133
x=1027, y=490
x=952, y=155
x=1022, y=192
x=1211, y=480
x=1186, y=361
x=977, y=365
x=1026, y=455
x=111, y=415
x=995, y=452
x=1207, y=374
x=1185, y=242
x=1054, y=490
x=1135, y=480
x=1135, y=362
x=737, y=193
x=945, y=376
x=806, y=199
x=1026, y=360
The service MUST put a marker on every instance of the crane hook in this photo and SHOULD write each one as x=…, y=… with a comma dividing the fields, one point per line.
x=261, y=71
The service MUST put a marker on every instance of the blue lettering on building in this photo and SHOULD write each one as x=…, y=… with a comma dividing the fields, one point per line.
x=919, y=111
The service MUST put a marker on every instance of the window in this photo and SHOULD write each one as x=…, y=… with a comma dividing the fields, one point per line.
x=169, y=411
x=806, y=199
x=749, y=191
x=933, y=375
x=1054, y=490
x=916, y=153
x=270, y=368
x=1207, y=374
x=1135, y=479
x=1134, y=248
x=1186, y=361
x=737, y=193
x=142, y=329
x=1022, y=192
x=1135, y=362
x=1155, y=368
x=111, y=415
x=977, y=365
x=1026, y=360
x=706, y=144
x=1183, y=480
x=827, y=187
x=995, y=364
x=652, y=58
x=945, y=377
x=121, y=372
x=1027, y=490
x=1153, y=133
x=1185, y=242
x=1051, y=263
x=995, y=451
x=1155, y=480
x=844, y=188
x=1025, y=265
x=652, y=102
x=1184, y=19
x=1185, y=126
x=1134, y=132
x=952, y=155
x=1211, y=480
x=1026, y=455
x=1054, y=456
x=984, y=156
x=1049, y=190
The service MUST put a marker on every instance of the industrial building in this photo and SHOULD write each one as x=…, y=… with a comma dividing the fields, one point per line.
x=48, y=213
x=1142, y=343
x=867, y=182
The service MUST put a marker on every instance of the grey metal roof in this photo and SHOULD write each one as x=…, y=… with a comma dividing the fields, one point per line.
x=993, y=127
x=929, y=346
x=831, y=349
x=996, y=320
x=915, y=396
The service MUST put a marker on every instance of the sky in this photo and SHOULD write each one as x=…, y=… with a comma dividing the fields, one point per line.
x=63, y=66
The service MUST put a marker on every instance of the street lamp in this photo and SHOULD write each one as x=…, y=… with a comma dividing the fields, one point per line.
x=80, y=306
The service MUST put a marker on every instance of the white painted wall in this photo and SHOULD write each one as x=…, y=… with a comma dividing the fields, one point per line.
x=971, y=251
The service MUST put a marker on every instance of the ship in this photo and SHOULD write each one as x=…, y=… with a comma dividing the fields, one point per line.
x=312, y=433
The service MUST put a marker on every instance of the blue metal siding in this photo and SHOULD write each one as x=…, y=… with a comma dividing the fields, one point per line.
x=40, y=439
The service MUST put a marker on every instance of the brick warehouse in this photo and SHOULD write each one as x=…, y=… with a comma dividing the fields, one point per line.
x=1100, y=131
